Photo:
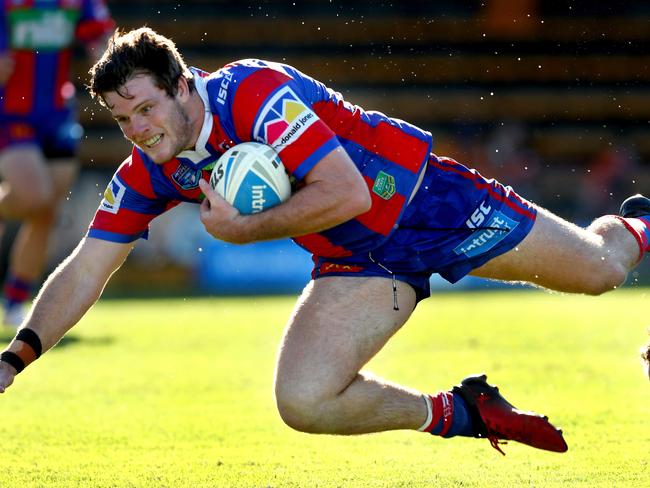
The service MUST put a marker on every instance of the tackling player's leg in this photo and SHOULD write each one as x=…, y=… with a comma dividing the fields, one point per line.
x=31, y=192
x=26, y=187
x=26, y=192
x=30, y=247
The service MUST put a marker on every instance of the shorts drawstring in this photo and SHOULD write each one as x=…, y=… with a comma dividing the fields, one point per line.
x=392, y=275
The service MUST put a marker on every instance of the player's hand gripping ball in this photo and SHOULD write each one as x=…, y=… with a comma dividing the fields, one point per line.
x=251, y=177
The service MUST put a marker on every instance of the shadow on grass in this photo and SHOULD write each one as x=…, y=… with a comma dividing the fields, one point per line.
x=6, y=335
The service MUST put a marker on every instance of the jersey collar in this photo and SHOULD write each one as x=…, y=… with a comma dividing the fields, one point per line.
x=203, y=153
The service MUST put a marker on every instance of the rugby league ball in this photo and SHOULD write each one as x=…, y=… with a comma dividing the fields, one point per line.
x=251, y=177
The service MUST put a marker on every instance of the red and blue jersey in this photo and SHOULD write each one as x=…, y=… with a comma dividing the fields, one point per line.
x=272, y=103
x=39, y=34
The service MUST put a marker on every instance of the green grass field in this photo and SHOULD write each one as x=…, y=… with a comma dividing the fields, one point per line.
x=178, y=393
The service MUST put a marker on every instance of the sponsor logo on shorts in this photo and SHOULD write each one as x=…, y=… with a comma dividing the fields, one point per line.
x=283, y=119
x=113, y=196
x=339, y=268
x=187, y=178
x=384, y=185
x=494, y=227
x=478, y=215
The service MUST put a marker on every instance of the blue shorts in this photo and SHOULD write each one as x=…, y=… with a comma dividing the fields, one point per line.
x=56, y=134
x=457, y=221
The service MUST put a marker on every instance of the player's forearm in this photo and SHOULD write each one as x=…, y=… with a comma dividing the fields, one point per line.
x=334, y=192
x=64, y=298
x=314, y=208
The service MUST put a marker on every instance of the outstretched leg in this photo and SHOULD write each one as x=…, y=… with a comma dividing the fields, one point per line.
x=561, y=256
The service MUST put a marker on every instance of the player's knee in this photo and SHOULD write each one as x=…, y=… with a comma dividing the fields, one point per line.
x=608, y=277
x=299, y=410
x=39, y=204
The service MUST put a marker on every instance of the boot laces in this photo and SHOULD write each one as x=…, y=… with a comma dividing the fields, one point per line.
x=495, y=442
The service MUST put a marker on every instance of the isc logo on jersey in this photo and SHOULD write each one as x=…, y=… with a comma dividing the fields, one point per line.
x=223, y=87
x=113, y=196
x=283, y=119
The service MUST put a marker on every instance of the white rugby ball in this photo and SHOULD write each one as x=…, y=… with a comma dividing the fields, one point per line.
x=251, y=177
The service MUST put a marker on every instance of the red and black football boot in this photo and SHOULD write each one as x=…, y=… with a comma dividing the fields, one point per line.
x=495, y=418
x=635, y=206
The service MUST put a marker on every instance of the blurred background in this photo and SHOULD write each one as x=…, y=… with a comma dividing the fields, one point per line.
x=550, y=97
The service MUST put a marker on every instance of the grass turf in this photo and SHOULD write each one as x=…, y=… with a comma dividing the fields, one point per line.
x=178, y=393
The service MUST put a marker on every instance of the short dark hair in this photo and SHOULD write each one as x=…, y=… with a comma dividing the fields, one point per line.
x=140, y=51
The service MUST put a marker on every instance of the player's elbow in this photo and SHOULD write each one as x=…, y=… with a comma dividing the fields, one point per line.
x=357, y=201
x=364, y=201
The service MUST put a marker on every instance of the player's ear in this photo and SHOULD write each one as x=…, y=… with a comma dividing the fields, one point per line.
x=182, y=88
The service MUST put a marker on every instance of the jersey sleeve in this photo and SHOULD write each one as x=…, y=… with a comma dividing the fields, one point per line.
x=128, y=206
x=272, y=107
x=94, y=22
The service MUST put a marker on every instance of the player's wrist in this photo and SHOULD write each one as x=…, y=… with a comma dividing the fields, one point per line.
x=23, y=350
x=7, y=366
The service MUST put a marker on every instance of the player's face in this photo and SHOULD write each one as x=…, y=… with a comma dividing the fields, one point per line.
x=152, y=120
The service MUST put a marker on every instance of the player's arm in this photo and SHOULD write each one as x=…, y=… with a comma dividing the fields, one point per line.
x=63, y=300
x=334, y=192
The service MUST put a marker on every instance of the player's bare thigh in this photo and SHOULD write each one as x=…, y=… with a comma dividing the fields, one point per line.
x=338, y=325
x=559, y=255
x=63, y=173
x=26, y=181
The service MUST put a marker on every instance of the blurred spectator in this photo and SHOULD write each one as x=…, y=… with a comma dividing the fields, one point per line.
x=39, y=132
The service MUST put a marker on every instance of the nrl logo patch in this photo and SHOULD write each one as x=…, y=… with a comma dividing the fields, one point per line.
x=384, y=185
x=187, y=178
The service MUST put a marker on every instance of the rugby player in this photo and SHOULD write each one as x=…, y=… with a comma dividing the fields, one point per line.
x=377, y=209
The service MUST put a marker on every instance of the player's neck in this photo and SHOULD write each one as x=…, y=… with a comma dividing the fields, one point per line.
x=196, y=113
